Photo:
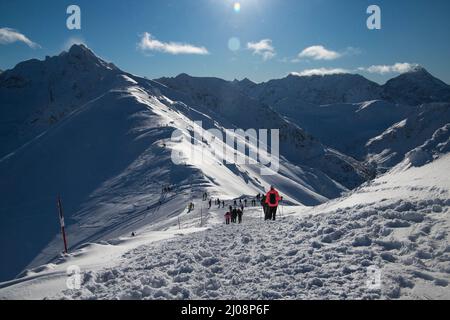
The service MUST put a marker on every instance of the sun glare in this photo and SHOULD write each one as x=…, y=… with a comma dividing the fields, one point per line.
x=237, y=7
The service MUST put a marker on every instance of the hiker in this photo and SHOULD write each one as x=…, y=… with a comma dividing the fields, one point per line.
x=230, y=208
x=210, y=203
x=223, y=204
x=233, y=215
x=239, y=214
x=264, y=206
x=272, y=200
x=227, y=217
x=242, y=207
x=245, y=201
x=235, y=203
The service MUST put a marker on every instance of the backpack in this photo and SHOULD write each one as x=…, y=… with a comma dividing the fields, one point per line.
x=273, y=198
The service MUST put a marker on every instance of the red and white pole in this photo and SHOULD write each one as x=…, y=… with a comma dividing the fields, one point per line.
x=63, y=227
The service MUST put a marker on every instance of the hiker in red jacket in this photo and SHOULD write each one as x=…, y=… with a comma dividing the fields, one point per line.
x=272, y=200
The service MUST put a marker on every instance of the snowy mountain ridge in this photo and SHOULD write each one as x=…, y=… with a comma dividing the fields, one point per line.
x=224, y=103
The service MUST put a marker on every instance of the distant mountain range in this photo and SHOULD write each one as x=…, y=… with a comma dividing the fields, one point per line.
x=345, y=111
x=414, y=87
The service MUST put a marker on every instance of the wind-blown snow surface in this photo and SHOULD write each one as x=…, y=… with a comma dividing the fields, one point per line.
x=318, y=253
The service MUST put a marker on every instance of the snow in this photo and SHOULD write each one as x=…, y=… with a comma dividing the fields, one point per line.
x=38, y=282
x=346, y=127
x=78, y=126
x=222, y=101
x=323, y=252
x=36, y=95
x=109, y=157
x=422, y=126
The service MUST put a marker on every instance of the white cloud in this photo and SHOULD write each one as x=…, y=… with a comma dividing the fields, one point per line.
x=395, y=68
x=319, y=72
x=263, y=48
x=8, y=35
x=319, y=53
x=149, y=43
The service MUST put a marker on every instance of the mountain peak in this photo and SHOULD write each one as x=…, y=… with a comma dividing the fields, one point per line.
x=247, y=81
x=81, y=53
x=417, y=86
x=183, y=76
x=80, y=50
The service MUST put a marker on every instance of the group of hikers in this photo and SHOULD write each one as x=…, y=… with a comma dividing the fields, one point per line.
x=269, y=202
x=234, y=216
x=216, y=202
x=167, y=189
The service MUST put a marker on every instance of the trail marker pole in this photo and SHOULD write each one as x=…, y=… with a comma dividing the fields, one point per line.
x=61, y=221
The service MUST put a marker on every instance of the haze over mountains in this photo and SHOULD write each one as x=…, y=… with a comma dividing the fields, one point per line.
x=78, y=126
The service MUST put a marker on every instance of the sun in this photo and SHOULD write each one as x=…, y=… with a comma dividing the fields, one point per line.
x=237, y=7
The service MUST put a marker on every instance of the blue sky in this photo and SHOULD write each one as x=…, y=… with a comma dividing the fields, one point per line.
x=193, y=36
